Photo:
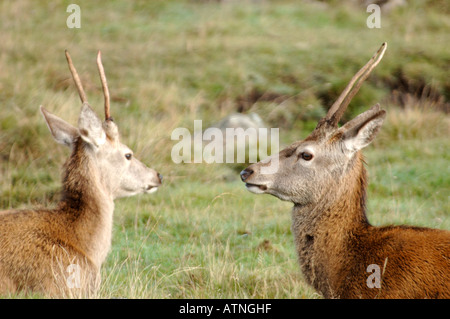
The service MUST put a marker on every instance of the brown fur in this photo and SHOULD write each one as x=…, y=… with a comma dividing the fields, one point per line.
x=335, y=245
x=37, y=246
x=340, y=253
x=59, y=251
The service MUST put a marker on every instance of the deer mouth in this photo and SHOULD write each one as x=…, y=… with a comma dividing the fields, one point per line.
x=257, y=189
x=150, y=189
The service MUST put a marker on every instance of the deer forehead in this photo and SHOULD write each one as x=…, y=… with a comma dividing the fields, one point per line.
x=313, y=147
x=113, y=148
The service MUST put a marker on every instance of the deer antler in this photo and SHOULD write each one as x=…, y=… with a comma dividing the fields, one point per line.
x=338, y=108
x=101, y=70
x=76, y=78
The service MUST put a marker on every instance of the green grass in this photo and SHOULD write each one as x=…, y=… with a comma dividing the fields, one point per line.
x=219, y=247
x=202, y=235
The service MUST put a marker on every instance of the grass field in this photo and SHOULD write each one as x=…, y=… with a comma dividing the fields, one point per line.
x=202, y=235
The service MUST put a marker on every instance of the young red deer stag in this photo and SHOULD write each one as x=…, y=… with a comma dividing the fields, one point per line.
x=58, y=252
x=341, y=255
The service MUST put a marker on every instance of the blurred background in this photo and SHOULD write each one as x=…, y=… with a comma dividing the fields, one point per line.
x=169, y=63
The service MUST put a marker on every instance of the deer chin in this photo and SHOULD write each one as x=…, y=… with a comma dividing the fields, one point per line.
x=150, y=189
x=256, y=189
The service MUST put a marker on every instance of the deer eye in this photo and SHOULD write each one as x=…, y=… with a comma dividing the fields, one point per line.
x=306, y=156
x=128, y=156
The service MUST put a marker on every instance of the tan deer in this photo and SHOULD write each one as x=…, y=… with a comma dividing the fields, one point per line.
x=58, y=252
x=340, y=253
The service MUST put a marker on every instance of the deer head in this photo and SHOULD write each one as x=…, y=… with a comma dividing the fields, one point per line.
x=120, y=173
x=310, y=168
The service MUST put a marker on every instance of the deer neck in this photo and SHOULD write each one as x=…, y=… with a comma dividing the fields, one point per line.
x=87, y=204
x=324, y=230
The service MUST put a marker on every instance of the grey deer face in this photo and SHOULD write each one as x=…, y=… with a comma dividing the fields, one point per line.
x=307, y=169
x=120, y=173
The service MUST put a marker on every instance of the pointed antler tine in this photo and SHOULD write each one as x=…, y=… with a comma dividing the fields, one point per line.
x=338, y=108
x=101, y=71
x=76, y=78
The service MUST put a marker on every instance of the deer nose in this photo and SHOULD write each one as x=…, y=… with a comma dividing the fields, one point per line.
x=246, y=173
x=160, y=178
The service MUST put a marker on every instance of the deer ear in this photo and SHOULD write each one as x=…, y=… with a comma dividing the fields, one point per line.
x=90, y=126
x=62, y=132
x=362, y=130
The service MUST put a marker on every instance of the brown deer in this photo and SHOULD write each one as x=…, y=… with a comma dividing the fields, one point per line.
x=340, y=253
x=58, y=252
